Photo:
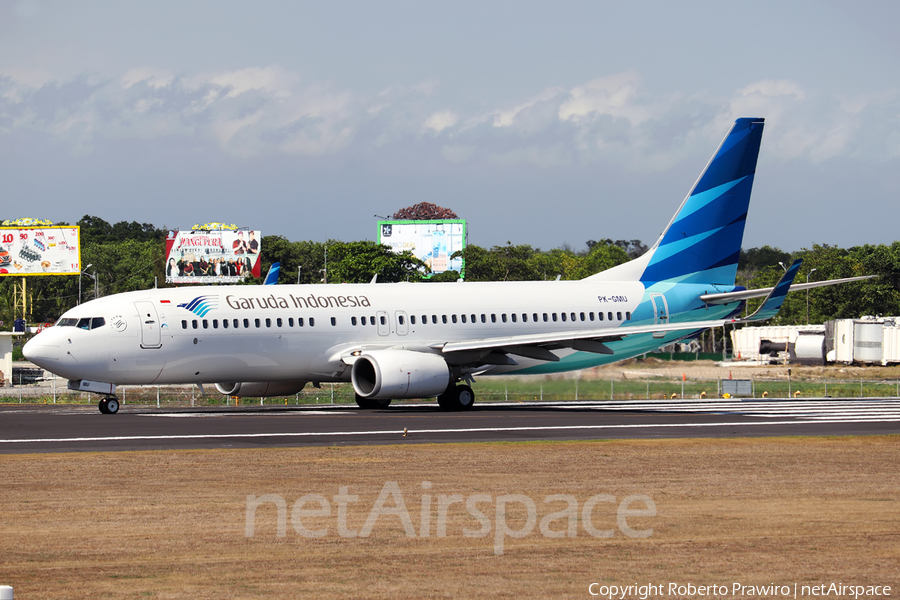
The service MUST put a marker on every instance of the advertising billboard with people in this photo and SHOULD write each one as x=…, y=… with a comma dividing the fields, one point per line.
x=212, y=256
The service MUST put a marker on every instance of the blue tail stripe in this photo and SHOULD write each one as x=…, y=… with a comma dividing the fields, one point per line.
x=702, y=199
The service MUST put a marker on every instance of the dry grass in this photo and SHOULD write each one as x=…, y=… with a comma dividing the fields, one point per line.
x=172, y=524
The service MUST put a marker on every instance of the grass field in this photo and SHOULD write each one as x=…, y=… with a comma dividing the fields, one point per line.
x=174, y=524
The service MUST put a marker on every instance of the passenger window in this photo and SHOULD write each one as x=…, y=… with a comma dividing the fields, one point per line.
x=534, y=317
x=444, y=319
x=609, y=316
x=333, y=321
x=524, y=317
x=300, y=322
x=257, y=323
x=184, y=324
x=353, y=321
x=483, y=318
x=205, y=324
x=453, y=318
x=545, y=318
x=599, y=316
x=493, y=318
x=591, y=316
x=503, y=317
x=627, y=316
x=424, y=319
x=363, y=320
x=563, y=315
x=412, y=319
x=434, y=319
x=291, y=321
x=279, y=322
x=246, y=324
x=618, y=316
x=554, y=317
x=194, y=324
x=235, y=323
x=215, y=323
x=268, y=322
x=224, y=323
x=382, y=320
x=400, y=319
x=312, y=322
x=474, y=319
x=463, y=317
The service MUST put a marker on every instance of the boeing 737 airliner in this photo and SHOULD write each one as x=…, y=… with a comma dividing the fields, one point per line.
x=404, y=340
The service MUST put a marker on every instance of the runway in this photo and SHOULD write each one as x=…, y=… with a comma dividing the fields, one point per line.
x=35, y=429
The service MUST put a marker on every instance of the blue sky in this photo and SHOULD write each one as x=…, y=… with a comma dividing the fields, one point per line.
x=540, y=123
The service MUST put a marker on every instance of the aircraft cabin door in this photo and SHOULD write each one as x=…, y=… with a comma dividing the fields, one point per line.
x=402, y=322
x=383, y=322
x=150, y=336
x=660, y=312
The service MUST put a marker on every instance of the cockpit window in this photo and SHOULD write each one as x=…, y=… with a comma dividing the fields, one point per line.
x=87, y=323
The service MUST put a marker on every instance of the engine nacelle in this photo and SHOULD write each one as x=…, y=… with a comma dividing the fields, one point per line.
x=260, y=388
x=389, y=374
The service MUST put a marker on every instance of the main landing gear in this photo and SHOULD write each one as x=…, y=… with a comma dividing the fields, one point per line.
x=109, y=405
x=457, y=397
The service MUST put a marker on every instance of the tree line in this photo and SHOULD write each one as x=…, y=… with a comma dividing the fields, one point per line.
x=131, y=256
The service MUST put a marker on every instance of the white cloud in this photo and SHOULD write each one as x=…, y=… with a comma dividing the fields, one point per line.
x=440, y=121
x=615, y=96
x=608, y=120
x=155, y=78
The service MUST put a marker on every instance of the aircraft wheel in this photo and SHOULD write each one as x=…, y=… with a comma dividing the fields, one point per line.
x=103, y=406
x=459, y=397
x=112, y=405
x=464, y=397
x=371, y=403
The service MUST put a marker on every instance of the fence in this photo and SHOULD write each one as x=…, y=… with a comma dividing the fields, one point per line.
x=487, y=389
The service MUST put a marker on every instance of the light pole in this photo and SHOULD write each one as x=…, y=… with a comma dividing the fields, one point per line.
x=807, y=294
x=80, y=273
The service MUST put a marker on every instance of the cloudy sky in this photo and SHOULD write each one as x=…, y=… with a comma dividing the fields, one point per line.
x=540, y=122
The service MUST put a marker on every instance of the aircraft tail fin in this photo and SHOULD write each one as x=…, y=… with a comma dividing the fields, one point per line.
x=702, y=242
x=272, y=275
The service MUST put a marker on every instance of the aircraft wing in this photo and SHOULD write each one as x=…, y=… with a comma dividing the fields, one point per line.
x=587, y=340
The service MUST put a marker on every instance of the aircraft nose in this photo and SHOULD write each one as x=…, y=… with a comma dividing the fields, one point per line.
x=41, y=353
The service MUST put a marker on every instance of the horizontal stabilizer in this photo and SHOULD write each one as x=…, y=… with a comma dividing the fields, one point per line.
x=728, y=297
x=772, y=304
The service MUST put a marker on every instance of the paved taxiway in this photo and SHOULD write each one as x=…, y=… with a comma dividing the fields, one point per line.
x=25, y=429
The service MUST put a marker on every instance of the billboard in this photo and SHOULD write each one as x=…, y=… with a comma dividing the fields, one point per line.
x=45, y=250
x=212, y=256
x=433, y=242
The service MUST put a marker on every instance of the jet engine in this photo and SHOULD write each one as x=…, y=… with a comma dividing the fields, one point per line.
x=389, y=374
x=260, y=388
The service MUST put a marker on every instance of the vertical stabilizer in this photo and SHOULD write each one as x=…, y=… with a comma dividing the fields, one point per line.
x=703, y=241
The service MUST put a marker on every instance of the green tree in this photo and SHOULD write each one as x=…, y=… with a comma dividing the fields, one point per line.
x=358, y=262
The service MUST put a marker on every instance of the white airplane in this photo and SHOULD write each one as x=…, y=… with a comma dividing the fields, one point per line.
x=403, y=340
